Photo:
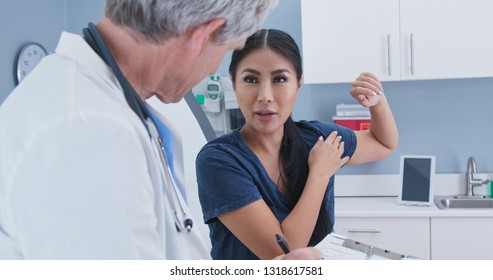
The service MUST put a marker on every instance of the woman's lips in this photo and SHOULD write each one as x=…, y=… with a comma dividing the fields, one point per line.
x=265, y=115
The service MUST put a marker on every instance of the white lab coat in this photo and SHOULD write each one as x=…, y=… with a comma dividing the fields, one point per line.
x=79, y=177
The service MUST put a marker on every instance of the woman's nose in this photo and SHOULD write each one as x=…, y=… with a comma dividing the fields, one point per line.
x=265, y=94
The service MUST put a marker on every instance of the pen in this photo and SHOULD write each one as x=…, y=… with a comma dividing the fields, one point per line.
x=282, y=243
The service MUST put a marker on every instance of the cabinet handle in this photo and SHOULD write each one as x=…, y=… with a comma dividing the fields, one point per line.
x=364, y=231
x=411, y=41
x=389, y=69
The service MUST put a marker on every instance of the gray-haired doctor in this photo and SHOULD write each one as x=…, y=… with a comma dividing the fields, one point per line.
x=88, y=170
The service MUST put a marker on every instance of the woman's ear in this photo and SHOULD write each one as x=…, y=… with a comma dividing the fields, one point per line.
x=202, y=34
x=300, y=82
x=232, y=82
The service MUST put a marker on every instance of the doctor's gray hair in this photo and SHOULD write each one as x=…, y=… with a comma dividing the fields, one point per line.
x=158, y=20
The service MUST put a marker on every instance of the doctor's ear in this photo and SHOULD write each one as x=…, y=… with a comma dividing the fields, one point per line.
x=204, y=33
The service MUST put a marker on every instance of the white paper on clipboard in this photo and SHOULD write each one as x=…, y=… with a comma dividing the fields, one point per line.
x=337, y=247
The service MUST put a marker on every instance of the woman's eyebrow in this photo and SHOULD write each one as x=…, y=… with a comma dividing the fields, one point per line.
x=250, y=70
x=278, y=71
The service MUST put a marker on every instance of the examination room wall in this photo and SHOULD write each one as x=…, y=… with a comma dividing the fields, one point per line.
x=447, y=118
x=22, y=21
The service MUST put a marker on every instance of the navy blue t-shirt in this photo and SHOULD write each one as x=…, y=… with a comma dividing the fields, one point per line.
x=231, y=176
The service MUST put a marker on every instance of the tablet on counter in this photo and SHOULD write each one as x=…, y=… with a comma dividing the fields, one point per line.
x=417, y=177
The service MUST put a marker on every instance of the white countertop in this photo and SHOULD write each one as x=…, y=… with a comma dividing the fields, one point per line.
x=357, y=207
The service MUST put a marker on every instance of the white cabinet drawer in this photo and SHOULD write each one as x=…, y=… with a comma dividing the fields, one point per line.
x=462, y=238
x=409, y=236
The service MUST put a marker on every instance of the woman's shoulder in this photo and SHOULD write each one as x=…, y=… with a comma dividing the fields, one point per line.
x=311, y=130
x=230, y=139
x=321, y=128
x=227, y=144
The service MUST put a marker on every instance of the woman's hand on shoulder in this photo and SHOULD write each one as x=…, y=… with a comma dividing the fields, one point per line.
x=325, y=156
x=367, y=89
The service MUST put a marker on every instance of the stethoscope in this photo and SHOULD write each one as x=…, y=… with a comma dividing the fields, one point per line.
x=182, y=220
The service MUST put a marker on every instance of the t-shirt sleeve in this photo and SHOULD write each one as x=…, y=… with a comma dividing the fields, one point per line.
x=324, y=129
x=349, y=138
x=224, y=181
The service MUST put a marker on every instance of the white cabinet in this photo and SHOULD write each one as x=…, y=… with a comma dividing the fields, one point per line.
x=449, y=39
x=396, y=39
x=342, y=38
x=462, y=238
x=410, y=236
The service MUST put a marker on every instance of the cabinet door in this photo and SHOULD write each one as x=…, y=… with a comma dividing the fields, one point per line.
x=446, y=39
x=409, y=236
x=342, y=38
x=462, y=238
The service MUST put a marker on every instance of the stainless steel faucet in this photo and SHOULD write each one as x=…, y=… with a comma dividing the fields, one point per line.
x=470, y=181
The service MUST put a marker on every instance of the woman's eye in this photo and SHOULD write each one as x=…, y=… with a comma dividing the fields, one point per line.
x=280, y=79
x=249, y=79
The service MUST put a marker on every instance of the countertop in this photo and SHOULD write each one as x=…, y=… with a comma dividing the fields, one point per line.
x=357, y=207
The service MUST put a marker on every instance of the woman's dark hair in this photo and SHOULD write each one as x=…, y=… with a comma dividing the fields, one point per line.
x=294, y=152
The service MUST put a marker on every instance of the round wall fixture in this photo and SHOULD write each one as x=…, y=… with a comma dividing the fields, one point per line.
x=29, y=56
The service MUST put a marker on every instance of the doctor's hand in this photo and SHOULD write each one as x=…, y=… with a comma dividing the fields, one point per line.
x=367, y=89
x=308, y=253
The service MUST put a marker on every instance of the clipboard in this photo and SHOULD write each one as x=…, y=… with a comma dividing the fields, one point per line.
x=337, y=247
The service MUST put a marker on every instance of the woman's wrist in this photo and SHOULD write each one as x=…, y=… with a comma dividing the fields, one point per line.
x=379, y=104
x=319, y=178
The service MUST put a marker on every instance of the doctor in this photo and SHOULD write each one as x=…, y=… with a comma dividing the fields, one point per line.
x=86, y=167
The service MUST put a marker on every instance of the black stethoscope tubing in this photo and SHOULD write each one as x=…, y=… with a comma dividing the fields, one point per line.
x=94, y=39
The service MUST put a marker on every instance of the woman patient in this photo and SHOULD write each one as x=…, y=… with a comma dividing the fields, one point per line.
x=275, y=175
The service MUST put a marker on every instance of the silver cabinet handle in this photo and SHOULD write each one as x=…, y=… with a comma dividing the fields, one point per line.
x=411, y=41
x=364, y=231
x=389, y=69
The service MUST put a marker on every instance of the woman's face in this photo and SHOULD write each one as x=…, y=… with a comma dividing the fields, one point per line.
x=266, y=88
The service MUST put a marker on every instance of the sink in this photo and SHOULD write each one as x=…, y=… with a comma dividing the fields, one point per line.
x=463, y=202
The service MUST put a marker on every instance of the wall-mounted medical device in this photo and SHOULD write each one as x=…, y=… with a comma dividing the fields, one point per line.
x=218, y=100
x=212, y=102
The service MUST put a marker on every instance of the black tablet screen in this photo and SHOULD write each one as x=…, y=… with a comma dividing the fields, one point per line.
x=416, y=179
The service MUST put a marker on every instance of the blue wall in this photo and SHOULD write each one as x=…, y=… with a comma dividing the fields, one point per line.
x=23, y=21
x=447, y=118
x=79, y=13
